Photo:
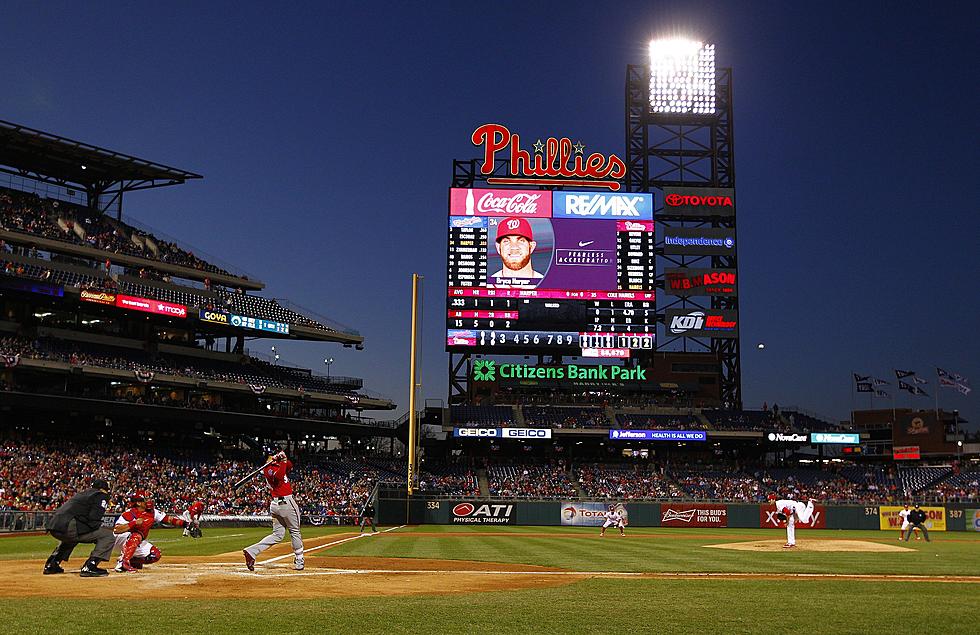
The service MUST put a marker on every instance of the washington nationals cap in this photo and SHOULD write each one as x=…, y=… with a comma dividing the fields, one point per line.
x=514, y=227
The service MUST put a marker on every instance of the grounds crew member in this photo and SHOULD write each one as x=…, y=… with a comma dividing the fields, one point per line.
x=80, y=520
x=917, y=518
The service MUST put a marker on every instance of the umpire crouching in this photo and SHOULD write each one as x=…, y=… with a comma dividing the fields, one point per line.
x=80, y=520
x=917, y=518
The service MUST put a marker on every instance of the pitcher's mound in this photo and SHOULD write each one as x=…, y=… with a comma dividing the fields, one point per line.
x=812, y=545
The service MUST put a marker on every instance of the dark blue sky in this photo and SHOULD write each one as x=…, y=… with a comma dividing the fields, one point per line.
x=326, y=137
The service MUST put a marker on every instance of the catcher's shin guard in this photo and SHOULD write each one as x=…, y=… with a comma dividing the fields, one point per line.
x=134, y=540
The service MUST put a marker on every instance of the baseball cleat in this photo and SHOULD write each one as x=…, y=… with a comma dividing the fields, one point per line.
x=788, y=546
x=299, y=565
x=249, y=560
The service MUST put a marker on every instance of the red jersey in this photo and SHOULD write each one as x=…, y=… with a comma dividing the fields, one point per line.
x=277, y=476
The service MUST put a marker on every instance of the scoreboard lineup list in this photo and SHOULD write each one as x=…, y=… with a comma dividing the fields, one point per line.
x=576, y=319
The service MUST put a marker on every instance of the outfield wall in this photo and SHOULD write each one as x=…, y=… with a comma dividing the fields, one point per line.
x=399, y=511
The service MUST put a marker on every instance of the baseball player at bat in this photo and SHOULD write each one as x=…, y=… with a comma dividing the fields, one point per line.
x=791, y=512
x=284, y=511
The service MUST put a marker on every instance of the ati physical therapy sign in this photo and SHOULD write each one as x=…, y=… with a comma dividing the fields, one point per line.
x=489, y=370
x=554, y=161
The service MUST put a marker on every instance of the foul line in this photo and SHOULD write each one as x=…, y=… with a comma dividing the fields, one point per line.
x=328, y=544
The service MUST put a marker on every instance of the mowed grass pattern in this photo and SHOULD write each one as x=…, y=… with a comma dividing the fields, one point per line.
x=594, y=605
x=669, y=550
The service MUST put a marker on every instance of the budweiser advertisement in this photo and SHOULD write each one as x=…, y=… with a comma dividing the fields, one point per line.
x=701, y=323
x=699, y=201
x=688, y=282
x=767, y=517
x=151, y=306
x=693, y=515
x=477, y=202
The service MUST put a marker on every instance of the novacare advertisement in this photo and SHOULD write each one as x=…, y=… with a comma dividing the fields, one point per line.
x=582, y=514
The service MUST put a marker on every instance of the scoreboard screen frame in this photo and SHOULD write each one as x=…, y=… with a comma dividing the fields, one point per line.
x=570, y=235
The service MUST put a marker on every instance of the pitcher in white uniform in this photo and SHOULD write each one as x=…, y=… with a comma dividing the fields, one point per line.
x=792, y=512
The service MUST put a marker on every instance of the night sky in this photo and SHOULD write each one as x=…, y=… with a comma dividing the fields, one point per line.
x=326, y=137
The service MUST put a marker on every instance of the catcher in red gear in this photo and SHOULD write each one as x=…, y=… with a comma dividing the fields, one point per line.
x=132, y=529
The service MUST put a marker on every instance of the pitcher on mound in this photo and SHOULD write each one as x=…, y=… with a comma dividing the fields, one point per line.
x=791, y=512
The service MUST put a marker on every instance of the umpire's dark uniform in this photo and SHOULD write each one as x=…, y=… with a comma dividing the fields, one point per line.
x=917, y=518
x=80, y=520
x=367, y=516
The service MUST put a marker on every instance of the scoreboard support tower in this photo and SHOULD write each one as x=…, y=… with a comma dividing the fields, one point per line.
x=685, y=150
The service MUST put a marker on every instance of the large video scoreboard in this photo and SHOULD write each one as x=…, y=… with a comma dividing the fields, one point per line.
x=550, y=271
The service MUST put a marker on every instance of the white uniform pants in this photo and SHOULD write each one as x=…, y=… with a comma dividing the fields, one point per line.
x=285, y=516
x=805, y=514
x=142, y=551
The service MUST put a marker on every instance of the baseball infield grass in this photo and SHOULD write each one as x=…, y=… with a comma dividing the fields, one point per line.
x=591, y=604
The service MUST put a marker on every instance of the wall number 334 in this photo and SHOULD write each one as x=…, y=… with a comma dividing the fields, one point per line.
x=432, y=505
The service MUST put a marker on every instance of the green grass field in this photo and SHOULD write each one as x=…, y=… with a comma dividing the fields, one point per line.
x=595, y=604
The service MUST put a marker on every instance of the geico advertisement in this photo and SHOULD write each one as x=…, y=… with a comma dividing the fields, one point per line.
x=583, y=514
x=503, y=433
x=935, y=517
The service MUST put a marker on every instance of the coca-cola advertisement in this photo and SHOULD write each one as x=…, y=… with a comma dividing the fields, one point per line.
x=480, y=202
x=693, y=515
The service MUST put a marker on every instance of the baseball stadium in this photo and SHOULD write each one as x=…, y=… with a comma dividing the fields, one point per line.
x=171, y=459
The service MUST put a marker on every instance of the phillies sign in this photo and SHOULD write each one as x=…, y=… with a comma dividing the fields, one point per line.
x=699, y=201
x=555, y=161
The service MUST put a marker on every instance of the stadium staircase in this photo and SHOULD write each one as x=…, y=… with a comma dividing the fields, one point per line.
x=481, y=479
x=703, y=420
x=519, y=416
x=610, y=413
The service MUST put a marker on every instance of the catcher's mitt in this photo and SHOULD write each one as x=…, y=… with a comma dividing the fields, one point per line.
x=195, y=531
x=781, y=516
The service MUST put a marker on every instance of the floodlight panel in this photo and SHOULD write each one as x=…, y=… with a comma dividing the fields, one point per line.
x=682, y=77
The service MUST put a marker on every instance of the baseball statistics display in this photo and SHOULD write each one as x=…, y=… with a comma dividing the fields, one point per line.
x=559, y=271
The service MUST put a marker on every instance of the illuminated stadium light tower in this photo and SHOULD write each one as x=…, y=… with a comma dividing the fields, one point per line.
x=679, y=140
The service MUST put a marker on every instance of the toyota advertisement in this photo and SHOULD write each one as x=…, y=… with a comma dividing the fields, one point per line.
x=699, y=241
x=699, y=201
x=582, y=514
x=478, y=513
x=701, y=323
x=693, y=515
x=689, y=282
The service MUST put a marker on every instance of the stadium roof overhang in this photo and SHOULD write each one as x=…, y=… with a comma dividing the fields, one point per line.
x=50, y=158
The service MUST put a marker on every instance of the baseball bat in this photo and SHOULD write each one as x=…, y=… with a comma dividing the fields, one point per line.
x=245, y=478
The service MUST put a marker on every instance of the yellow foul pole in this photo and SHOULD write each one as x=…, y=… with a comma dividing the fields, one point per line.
x=413, y=385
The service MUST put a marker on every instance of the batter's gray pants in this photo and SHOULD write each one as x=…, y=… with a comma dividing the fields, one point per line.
x=285, y=515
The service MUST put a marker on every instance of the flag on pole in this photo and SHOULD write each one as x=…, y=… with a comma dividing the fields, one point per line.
x=953, y=380
x=861, y=378
x=880, y=382
x=881, y=393
x=918, y=380
x=865, y=387
x=954, y=376
x=963, y=389
x=902, y=374
x=911, y=388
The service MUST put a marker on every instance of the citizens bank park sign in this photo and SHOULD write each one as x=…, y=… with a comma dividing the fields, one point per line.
x=553, y=161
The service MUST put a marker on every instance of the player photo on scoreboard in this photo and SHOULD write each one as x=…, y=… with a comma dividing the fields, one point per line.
x=519, y=251
x=551, y=254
